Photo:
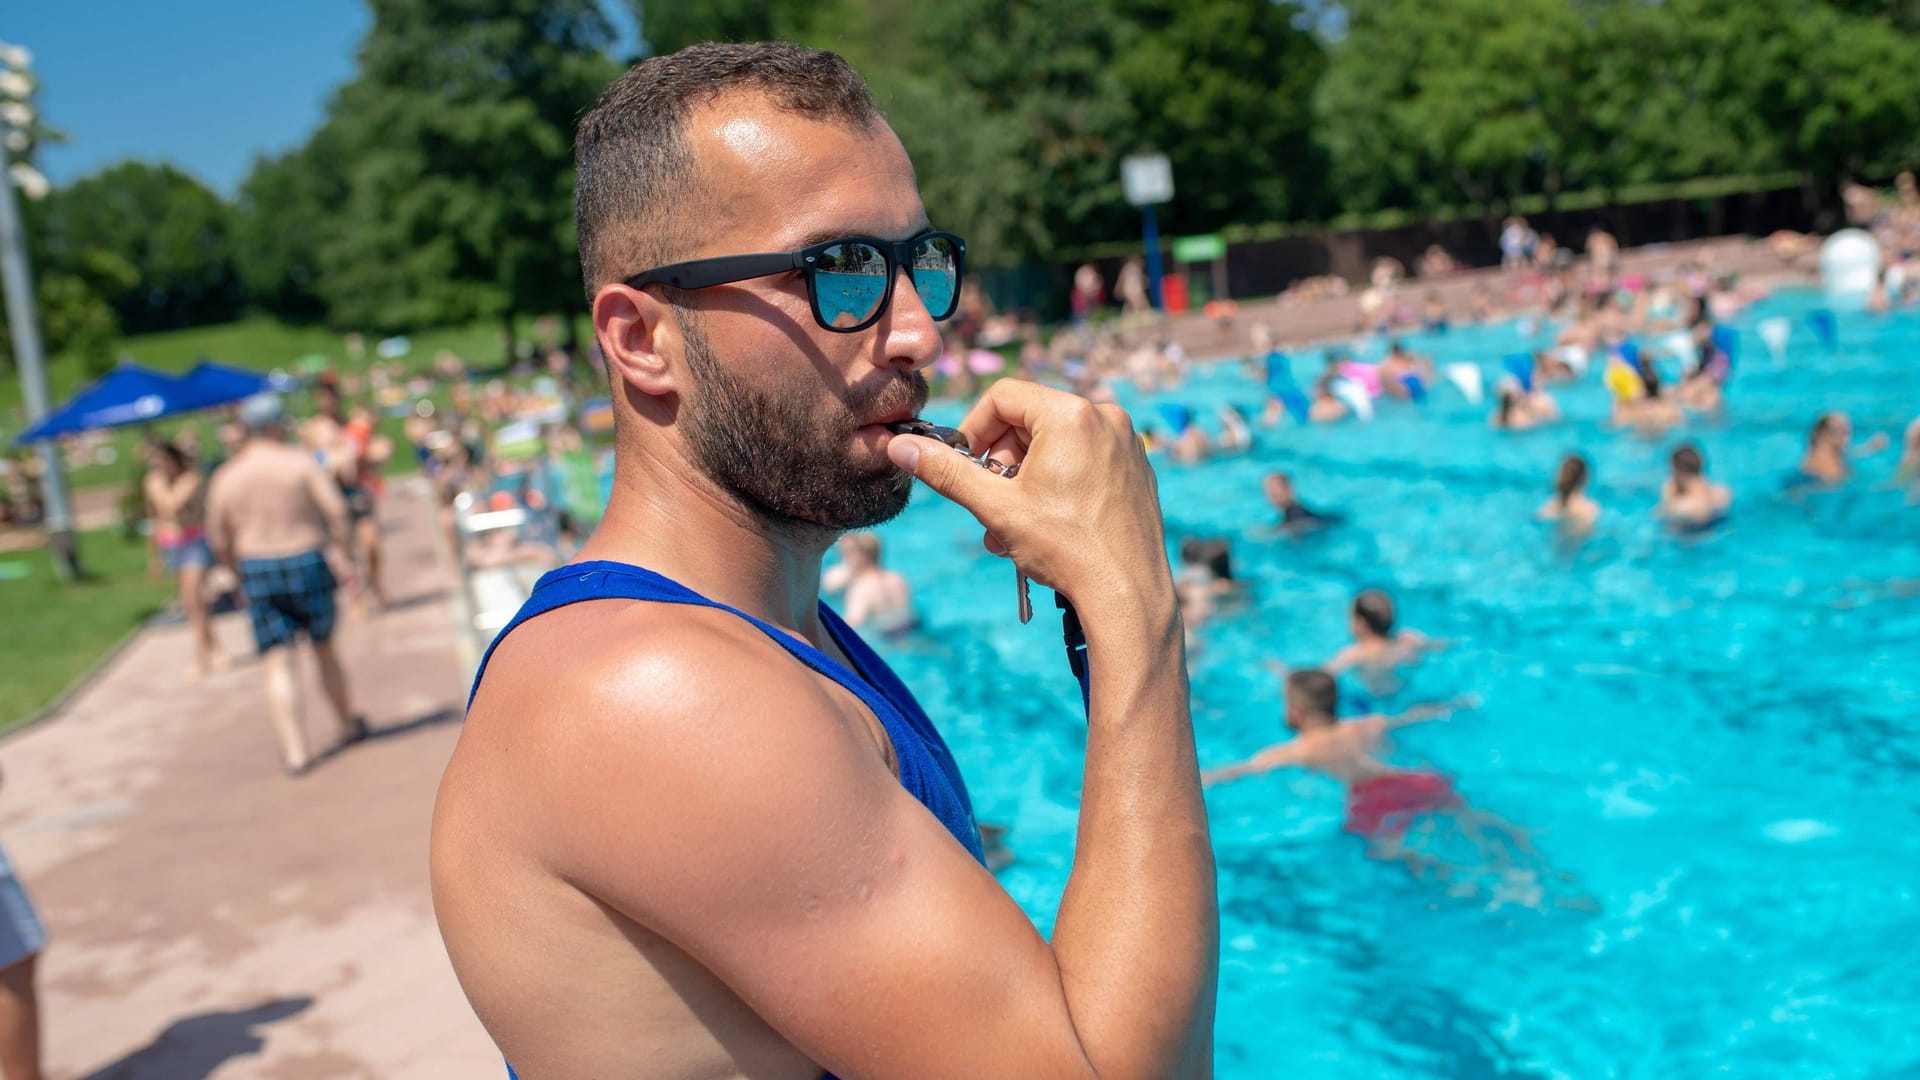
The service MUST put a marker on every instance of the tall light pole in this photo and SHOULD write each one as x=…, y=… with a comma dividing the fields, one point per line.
x=16, y=122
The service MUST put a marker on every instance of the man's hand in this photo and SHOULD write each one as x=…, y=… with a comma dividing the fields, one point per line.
x=1082, y=516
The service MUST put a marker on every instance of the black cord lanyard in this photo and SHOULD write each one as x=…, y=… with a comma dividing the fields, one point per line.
x=1076, y=639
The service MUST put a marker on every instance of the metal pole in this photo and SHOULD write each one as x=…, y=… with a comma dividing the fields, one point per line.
x=22, y=317
x=1151, y=227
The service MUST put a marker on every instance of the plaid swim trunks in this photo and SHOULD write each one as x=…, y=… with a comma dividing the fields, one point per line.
x=288, y=594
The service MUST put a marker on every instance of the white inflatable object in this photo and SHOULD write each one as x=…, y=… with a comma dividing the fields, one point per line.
x=1355, y=396
x=1776, y=332
x=1575, y=357
x=1679, y=345
x=1468, y=380
x=1849, y=263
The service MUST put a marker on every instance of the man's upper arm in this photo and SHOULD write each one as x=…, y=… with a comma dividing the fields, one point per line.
x=753, y=823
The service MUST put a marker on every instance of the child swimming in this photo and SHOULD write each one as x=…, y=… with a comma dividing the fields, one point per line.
x=1571, y=508
x=1689, y=501
x=1379, y=653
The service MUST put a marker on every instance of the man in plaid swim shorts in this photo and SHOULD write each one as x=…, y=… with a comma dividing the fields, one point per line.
x=272, y=513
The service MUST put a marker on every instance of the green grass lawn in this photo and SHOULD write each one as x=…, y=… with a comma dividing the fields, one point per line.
x=52, y=631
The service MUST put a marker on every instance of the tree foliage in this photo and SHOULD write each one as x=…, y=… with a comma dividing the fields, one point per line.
x=1482, y=100
x=172, y=232
x=456, y=172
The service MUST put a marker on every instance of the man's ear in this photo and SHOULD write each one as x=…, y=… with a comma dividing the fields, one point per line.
x=637, y=332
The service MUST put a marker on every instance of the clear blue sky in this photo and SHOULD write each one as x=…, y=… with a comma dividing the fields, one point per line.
x=205, y=84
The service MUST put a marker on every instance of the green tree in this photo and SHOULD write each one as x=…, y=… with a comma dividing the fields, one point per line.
x=1225, y=88
x=671, y=26
x=1474, y=100
x=277, y=244
x=456, y=135
x=173, y=232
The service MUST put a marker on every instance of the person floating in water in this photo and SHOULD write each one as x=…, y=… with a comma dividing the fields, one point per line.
x=1296, y=517
x=1327, y=408
x=1379, y=653
x=1392, y=808
x=1652, y=411
x=1520, y=409
x=1571, y=508
x=877, y=598
x=1701, y=390
x=1827, y=462
x=1403, y=375
x=1689, y=501
x=1205, y=580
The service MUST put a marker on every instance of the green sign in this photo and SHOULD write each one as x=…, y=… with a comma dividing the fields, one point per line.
x=1197, y=249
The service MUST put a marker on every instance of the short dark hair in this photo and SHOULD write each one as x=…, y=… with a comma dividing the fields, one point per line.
x=1827, y=422
x=1687, y=460
x=1315, y=689
x=634, y=166
x=1375, y=609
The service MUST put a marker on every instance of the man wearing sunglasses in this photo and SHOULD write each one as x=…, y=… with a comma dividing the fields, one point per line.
x=694, y=827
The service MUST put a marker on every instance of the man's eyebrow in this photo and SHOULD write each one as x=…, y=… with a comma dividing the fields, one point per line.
x=920, y=228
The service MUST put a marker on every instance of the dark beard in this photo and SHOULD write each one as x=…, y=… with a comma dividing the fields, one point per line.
x=782, y=459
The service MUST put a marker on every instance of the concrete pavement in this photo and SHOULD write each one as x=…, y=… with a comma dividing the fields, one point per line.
x=211, y=918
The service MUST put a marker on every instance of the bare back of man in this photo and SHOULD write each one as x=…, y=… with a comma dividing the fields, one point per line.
x=274, y=499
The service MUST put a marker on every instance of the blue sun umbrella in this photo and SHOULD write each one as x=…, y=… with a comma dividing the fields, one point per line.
x=131, y=394
x=219, y=383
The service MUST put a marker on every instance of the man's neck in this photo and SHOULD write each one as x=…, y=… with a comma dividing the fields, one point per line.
x=676, y=522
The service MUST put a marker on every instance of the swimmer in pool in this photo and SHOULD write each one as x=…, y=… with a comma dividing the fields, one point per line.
x=1296, y=517
x=1701, y=390
x=1570, y=507
x=1519, y=409
x=1326, y=407
x=1654, y=412
x=1549, y=366
x=1829, y=444
x=1385, y=804
x=1379, y=653
x=877, y=598
x=1204, y=585
x=1689, y=501
x=1401, y=372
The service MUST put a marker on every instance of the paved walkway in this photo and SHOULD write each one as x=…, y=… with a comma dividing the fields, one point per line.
x=211, y=918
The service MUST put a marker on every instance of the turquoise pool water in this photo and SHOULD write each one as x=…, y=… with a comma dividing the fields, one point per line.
x=1719, y=737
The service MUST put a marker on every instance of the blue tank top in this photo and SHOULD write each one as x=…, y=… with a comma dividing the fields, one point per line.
x=927, y=769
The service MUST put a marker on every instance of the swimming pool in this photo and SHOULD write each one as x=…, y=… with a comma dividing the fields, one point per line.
x=1719, y=737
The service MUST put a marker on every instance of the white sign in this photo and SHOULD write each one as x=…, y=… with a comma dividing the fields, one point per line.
x=1147, y=179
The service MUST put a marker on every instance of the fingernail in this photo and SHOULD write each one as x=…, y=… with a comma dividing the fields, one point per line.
x=905, y=451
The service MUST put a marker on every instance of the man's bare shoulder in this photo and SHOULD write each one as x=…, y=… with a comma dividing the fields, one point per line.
x=636, y=729
x=646, y=683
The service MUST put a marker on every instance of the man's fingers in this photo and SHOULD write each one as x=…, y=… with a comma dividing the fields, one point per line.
x=936, y=465
x=1010, y=405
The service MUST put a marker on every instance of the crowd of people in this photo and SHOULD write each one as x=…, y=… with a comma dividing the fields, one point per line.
x=1660, y=344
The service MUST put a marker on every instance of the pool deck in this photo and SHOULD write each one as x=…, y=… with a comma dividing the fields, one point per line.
x=210, y=917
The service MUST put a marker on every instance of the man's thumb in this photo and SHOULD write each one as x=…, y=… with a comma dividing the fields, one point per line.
x=938, y=466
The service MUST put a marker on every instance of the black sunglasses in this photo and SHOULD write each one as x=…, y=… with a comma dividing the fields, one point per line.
x=849, y=281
